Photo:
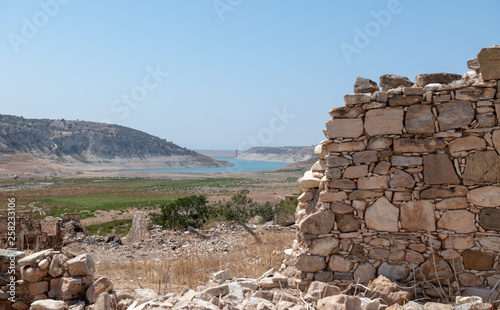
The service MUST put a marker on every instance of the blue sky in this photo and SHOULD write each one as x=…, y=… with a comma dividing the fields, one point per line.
x=223, y=74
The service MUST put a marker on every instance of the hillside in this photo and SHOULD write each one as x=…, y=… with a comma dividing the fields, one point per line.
x=94, y=143
x=290, y=154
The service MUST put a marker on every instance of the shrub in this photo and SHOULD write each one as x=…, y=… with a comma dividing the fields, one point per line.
x=191, y=211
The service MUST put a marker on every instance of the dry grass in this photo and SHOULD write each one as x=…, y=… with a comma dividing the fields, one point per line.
x=250, y=259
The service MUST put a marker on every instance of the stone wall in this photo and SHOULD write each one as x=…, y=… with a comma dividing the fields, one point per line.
x=408, y=182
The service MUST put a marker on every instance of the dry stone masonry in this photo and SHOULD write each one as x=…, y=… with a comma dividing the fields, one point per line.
x=408, y=183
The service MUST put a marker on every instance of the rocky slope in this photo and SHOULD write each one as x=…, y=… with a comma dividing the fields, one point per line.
x=290, y=154
x=94, y=143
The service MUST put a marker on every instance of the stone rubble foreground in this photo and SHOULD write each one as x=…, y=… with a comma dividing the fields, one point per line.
x=53, y=281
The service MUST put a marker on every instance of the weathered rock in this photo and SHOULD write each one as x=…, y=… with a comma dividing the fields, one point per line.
x=404, y=100
x=496, y=135
x=72, y=288
x=100, y=285
x=365, y=86
x=390, y=81
x=339, y=264
x=384, y=121
x=452, y=204
x=489, y=218
x=488, y=196
x=379, y=254
x=475, y=93
x=59, y=262
x=388, y=291
x=354, y=146
x=373, y=182
x=435, y=269
x=382, y=215
x=406, y=161
x=38, y=288
x=437, y=306
x=341, y=208
x=459, y=221
x=221, y=276
x=382, y=168
x=32, y=274
x=381, y=143
x=323, y=246
x=482, y=167
x=443, y=78
x=344, y=128
x=360, y=194
x=365, y=157
x=342, y=184
x=308, y=181
x=317, y=223
x=467, y=144
x=332, y=196
x=103, y=302
x=458, y=242
x=478, y=260
x=33, y=258
x=393, y=272
x=414, y=257
x=438, y=169
x=364, y=273
x=489, y=63
x=324, y=276
x=319, y=290
x=320, y=166
x=310, y=263
x=336, y=161
x=351, y=100
x=401, y=179
x=454, y=114
x=469, y=279
x=418, y=215
x=355, y=172
x=141, y=228
x=419, y=119
x=339, y=302
x=406, y=145
x=348, y=222
x=485, y=120
x=433, y=193
x=81, y=265
x=48, y=304
x=346, y=112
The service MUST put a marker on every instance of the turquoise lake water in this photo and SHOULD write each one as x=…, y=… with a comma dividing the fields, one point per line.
x=240, y=166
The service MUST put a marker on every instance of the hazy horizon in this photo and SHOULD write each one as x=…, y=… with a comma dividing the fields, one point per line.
x=223, y=75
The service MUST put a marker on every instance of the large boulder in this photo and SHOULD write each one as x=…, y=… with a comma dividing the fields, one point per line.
x=489, y=63
x=388, y=291
x=81, y=265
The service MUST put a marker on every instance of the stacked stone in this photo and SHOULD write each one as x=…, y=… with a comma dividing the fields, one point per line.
x=408, y=182
x=51, y=280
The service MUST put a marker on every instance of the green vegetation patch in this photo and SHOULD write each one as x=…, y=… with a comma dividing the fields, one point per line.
x=116, y=227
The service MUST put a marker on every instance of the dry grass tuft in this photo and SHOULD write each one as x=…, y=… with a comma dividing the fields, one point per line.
x=193, y=269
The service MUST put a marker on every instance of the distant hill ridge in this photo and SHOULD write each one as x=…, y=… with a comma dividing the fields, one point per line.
x=290, y=154
x=84, y=140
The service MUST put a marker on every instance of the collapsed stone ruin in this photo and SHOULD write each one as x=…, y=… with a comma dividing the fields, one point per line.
x=49, y=233
x=407, y=184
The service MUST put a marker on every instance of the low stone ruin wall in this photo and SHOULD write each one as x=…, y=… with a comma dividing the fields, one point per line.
x=408, y=182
